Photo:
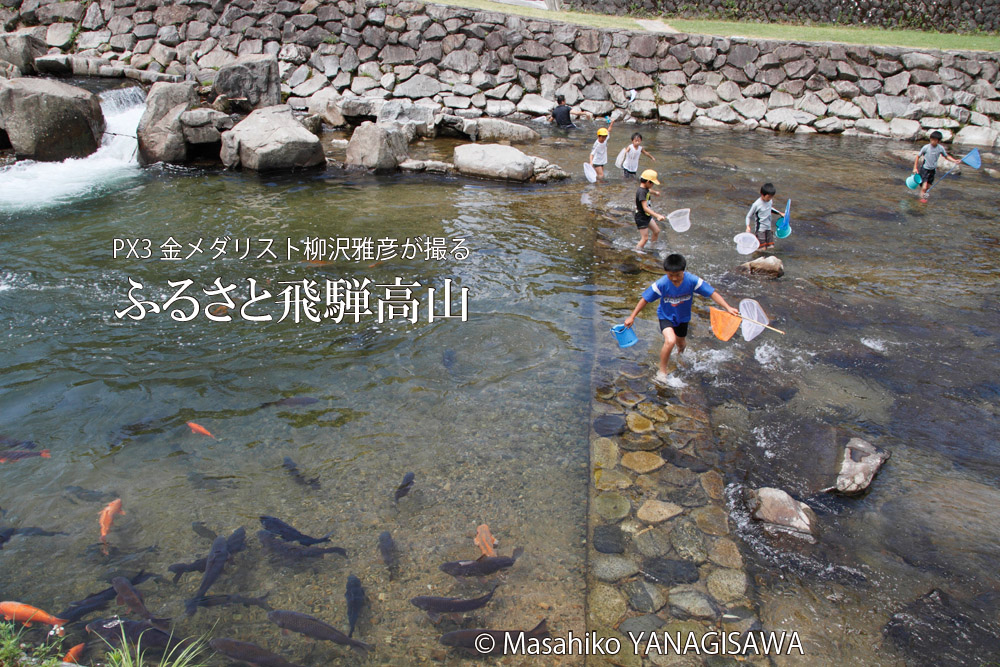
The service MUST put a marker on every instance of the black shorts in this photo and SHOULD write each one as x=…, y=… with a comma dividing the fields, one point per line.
x=629, y=174
x=641, y=221
x=927, y=175
x=680, y=330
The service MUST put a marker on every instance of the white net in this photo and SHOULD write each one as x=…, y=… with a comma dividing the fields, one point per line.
x=754, y=319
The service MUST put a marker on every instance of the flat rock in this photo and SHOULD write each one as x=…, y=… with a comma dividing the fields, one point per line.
x=712, y=520
x=612, y=506
x=688, y=542
x=642, y=462
x=687, y=601
x=609, y=425
x=713, y=484
x=612, y=568
x=724, y=552
x=656, y=511
x=604, y=453
x=653, y=412
x=639, y=424
x=644, y=596
x=609, y=480
x=608, y=539
x=638, y=624
x=727, y=585
x=652, y=543
x=606, y=605
x=669, y=572
x=634, y=442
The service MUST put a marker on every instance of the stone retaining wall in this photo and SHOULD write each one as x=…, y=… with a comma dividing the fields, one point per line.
x=943, y=15
x=473, y=63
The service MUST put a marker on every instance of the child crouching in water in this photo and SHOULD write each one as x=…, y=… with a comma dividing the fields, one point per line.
x=676, y=292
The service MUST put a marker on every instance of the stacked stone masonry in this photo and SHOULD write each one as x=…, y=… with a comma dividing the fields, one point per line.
x=945, y=15
x=475, y=63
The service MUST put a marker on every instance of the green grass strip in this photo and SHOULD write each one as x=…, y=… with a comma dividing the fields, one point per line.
x=915, y=39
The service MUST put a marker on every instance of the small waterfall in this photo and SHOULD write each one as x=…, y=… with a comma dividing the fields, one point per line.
x=28, y=185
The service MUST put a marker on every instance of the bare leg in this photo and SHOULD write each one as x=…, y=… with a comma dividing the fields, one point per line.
x=643, y=237
x=656, y=230
x=669, y=340
x=681, y=346
x=600, y=172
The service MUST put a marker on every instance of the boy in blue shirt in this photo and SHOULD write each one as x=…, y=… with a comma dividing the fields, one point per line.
x=675, y=291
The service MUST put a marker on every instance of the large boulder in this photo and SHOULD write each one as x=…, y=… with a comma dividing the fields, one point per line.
x=204, y=126
x=769, y=267
x=493, y=161
x=253, y=78
x=160, y=131
x=325, y=104
x=270, y=139
x=781, y=513
x=494, y=129
x=858, y=465
x=50, y=120
x=376, y=147
x=20, y=50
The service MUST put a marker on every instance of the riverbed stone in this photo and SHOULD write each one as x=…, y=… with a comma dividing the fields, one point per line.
x=612, y=506
x=644, y=596
x=652, y=542
x=777, y=508
x=688, y=601
x=713, y=484
x=712, y=520
x=609, y=480
x=860, y=461
x=629, y=398
x=652, y=412
x=724, y=552
x=604, y=453
x=612, y=568
x=642, y=462
x=639, y=424
x=727, y=585
x=768, y=267
x=609, y=425
x=609, y=539
x=688, y=542
x=656, y=511
x=635, y=442
x=636, y=625
x=606, y=605
x=669, y=572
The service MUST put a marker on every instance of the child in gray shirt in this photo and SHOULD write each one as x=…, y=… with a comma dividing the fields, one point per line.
x=759, y=217
x=930, y=153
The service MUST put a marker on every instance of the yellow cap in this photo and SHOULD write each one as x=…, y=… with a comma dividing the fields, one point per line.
x=649, y=175
x=603, y=132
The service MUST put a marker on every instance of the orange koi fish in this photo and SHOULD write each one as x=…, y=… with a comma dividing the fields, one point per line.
x=26, y=614
x=107, y=517
x=74, y=654
x=485, y=541
x=12, y=455
x=196, y=428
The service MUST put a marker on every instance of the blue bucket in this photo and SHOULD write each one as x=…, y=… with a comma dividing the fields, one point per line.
x=625, y=335
x=913, y=181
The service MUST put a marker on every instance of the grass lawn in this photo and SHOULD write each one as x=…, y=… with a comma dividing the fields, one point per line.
x=849, y=35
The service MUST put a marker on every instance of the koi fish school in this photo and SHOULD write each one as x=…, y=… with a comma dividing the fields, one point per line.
x=652, y=643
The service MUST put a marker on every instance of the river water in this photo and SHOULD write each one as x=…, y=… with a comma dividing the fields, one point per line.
x=889, y=307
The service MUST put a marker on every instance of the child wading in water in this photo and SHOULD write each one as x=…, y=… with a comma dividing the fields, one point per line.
x=675, y=291
x=632, y=153
x=643, y=213
x=599, y=153
x=759, y=217
x=930, y=153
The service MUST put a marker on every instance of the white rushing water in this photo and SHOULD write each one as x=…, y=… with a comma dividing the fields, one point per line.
x=28, y=185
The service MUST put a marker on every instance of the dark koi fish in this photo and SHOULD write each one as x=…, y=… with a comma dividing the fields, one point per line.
x=14, y=455
x=387, y=548
x=28, y=531
x=279, y=547
x=355, y=596
x=235, y=543
x=482, y=567
x=222, y=600
x=289, y=534
x=88, y=495
x=130, y=596
x=434, y=605
x=467, y=638
x=7, y=442
x=297, y=475
x=215, y=562
x=142, y=633
x=405, y=487
x=314, y=628
x=77, y=610
x=201, y=530
x=248, y=653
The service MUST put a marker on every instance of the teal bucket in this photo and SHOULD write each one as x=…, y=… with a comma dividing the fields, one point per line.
x=625, y=335
x=913, y=181
x=783, y=232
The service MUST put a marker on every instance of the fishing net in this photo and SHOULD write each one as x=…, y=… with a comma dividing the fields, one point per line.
x=754, y=319
x=680, y=219
x=724, y=325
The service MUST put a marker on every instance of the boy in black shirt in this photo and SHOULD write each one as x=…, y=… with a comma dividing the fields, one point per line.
x=643, y=212
x=562, y=114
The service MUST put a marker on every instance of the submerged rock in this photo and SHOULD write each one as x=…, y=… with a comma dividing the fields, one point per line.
x=770, y=267
x=937, y=630
x=271, y=139
x=50, y=120
x=781, y=512
x=861, y=461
